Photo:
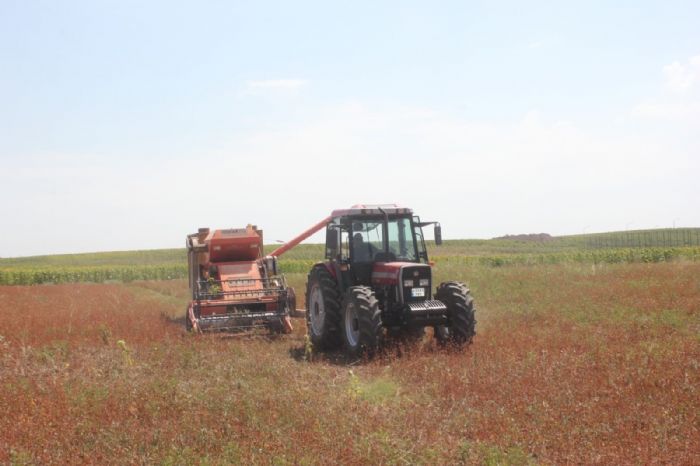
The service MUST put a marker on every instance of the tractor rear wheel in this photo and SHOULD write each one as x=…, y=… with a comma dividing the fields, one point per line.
x=323, y=309
x=362, y=322
x=460, y=312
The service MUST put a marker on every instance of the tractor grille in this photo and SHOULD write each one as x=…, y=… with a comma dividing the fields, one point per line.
x=412, y=276
x=427, y=307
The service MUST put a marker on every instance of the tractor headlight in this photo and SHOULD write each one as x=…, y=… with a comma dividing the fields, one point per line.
x=424, y=282
x=408, y=283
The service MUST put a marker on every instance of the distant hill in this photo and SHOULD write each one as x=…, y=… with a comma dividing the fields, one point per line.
x=528, y=237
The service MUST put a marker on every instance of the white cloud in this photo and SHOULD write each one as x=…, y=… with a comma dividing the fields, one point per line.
x=668, y=110
x=680, y=77
x=678, y=99
x=274, y=86
x=480, y=179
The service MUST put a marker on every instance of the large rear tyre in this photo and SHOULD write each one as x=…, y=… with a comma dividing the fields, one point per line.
x=363, y=332
x=323, y=309
x=460, y=313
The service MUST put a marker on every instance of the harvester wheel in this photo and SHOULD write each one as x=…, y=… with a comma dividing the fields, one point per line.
x=323, y=309
x=283, y=325
x=188, y=322
x=362, y=322
x=460, y=310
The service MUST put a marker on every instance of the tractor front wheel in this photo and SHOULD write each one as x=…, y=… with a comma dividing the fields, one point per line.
x=460, y=313
x=362, y=322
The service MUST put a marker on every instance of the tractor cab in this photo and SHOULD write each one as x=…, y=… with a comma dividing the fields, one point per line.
x=364, y=238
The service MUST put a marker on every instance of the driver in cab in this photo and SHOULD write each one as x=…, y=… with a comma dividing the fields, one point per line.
x=363, y=252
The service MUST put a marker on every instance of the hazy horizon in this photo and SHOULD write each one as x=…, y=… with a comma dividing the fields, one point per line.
x=318, y=239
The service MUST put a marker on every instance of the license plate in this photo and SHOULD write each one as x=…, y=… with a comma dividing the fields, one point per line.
x=417, y=292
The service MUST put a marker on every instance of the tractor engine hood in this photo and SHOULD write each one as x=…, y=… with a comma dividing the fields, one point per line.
x=412, y=280
x=390, y=273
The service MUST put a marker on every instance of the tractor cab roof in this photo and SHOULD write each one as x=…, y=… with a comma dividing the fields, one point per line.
x=371, y=209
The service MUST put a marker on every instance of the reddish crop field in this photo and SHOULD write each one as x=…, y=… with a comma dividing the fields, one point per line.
x=571, y=364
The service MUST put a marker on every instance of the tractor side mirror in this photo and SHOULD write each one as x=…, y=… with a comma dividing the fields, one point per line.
x=332, y=236
x=438, y=234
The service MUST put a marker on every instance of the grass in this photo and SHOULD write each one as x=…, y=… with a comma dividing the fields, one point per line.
x=573, y=363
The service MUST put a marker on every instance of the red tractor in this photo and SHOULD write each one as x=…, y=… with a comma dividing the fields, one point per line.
x=376, y=279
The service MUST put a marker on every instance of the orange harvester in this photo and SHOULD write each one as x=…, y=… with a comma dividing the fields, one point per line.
x=233, y=285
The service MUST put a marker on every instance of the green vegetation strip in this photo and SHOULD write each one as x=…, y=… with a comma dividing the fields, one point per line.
x=20, y=274
x=596, y=256
x=95, y=274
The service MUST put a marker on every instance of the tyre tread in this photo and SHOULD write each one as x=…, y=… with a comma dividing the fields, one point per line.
x=460, y=306
x=331, y=337
x=369, y=315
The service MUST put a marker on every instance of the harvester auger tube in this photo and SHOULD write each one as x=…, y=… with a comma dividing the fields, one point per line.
x=233, y=286
x=299, y=238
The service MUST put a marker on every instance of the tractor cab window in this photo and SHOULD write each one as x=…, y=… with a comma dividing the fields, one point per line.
x=337, y=242
x=344, y=245
x=370, y=242
x=367, y=240
x=420, y=241
x=401, y=245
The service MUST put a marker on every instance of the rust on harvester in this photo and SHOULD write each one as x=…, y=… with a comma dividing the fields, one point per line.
x=234, y=286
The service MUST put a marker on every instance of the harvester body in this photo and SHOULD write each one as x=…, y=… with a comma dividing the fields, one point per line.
x=233, y=285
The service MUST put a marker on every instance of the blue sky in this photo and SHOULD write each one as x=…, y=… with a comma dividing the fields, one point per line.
x=126, y=125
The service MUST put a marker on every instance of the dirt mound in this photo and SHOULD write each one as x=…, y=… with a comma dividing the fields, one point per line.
x=538, y=237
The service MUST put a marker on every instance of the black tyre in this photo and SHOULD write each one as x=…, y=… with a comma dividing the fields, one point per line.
x=323, y=309
x=460, y=313
x=363, y=332
x=292, y=304
x=275, y=327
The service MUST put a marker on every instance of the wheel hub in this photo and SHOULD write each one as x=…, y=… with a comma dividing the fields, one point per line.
x=318, y=313
x=352, y=325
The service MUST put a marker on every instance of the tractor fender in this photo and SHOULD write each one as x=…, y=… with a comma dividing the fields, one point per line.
x=328, y=267
x=334, y=269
